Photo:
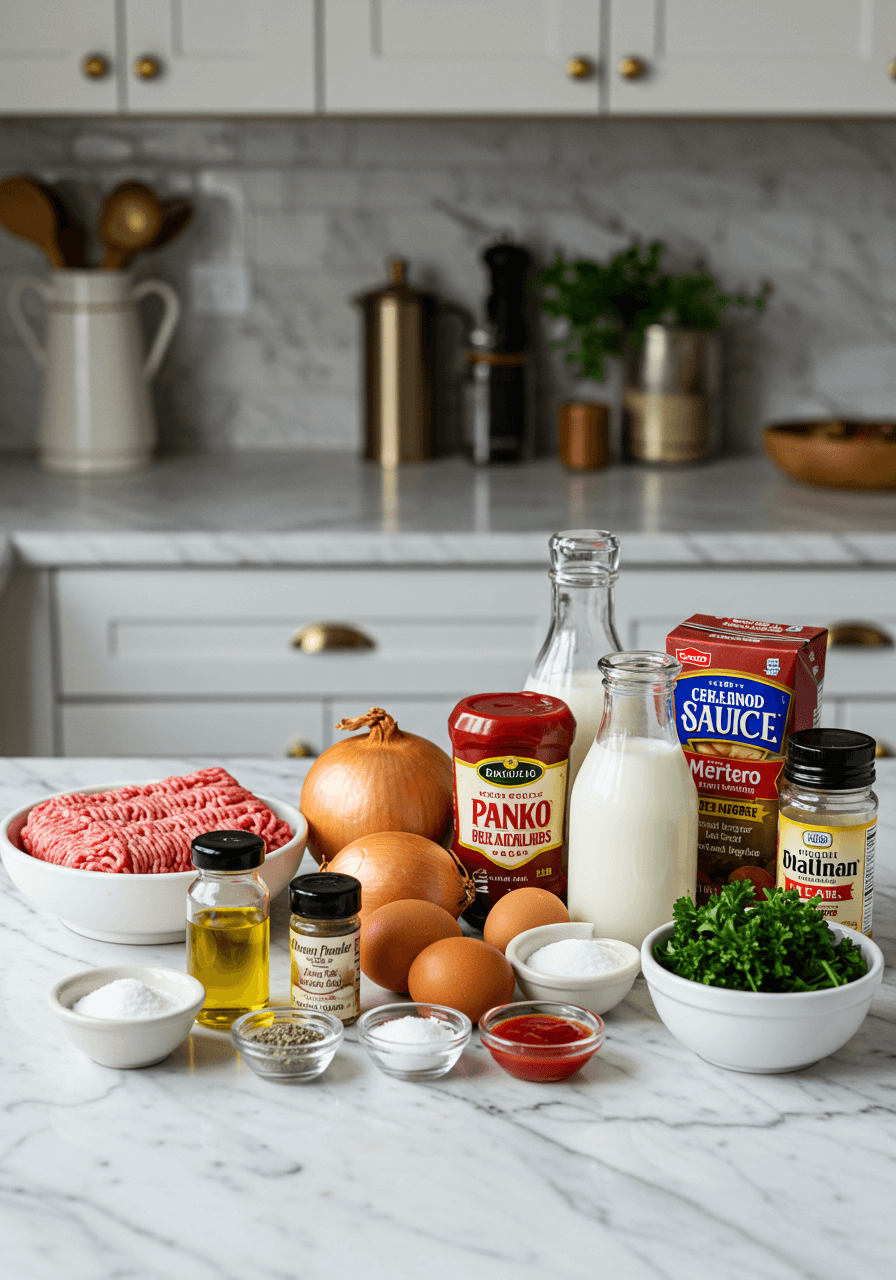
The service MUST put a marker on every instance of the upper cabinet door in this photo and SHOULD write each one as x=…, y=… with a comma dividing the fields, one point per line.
x=462, y=57
x=752, y=57
x=58, y=56
x=204, y=56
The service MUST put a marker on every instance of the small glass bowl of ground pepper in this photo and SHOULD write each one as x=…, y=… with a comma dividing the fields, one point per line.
x=541, y=1040
x=287, y=1044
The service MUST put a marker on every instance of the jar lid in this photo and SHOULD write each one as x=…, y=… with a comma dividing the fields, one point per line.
x=227, y=851
x=325, y=895
x=831, y=759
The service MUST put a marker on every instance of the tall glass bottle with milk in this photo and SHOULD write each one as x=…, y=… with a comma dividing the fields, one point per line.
x=633, y=810
x=583, y=573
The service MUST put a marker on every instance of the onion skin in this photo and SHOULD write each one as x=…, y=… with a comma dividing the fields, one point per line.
x=384, y=780
x=397, y=864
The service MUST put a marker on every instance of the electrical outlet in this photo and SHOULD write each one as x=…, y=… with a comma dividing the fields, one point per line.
x=220, y=288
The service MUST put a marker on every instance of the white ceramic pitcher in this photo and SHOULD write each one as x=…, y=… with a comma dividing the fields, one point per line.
x=96, y=417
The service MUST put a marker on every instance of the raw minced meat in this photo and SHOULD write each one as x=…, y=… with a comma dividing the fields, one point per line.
x=147, y=830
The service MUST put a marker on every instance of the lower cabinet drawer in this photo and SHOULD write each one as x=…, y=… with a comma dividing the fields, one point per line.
x=191, y=728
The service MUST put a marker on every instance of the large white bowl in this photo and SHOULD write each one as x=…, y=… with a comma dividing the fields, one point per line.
x=599, y=992
x=132, y=1042
x=140, y=909
x=762, y=1032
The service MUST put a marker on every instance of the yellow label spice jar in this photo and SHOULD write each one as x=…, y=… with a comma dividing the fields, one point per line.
x=827, y=823
x=325, y=944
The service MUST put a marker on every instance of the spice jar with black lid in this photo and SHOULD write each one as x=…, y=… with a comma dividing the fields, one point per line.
x=228, y=910
x=325, y=944
x=827, y=823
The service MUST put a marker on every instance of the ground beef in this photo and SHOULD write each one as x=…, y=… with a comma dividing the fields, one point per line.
x=146, y=830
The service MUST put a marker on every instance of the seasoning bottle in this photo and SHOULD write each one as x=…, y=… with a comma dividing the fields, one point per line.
x=511, y=754
x=228, y=910
x=325, y=944
x=583, y=573
x=827, y=823
x=633, y=810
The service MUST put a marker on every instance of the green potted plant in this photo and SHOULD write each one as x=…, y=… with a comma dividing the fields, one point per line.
x=663, y=325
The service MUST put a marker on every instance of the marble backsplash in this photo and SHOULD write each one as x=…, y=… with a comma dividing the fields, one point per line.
x=314, y=208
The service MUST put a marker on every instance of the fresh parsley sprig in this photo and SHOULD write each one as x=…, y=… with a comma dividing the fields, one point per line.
x=781, y=944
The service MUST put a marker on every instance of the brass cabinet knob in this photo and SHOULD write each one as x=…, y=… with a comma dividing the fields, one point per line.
x=95, y=66
x=320, y=637
x=579, y=68
x=632, y=68
x=882, y=751
x=298, y=750
x=891, y=69
x=147, y=68
x=858, y=635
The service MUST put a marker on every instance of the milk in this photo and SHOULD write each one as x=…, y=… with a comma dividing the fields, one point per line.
x=632, y=836
x=583, y=693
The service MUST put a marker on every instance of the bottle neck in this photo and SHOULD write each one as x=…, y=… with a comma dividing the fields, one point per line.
x=229, y=877
x=582, y=628
x=638, y=697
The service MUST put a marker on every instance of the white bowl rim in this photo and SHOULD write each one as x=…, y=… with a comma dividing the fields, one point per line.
x=380, y=1013
x=572, y=982
x=110, y=973
x=300, y=832
x=652, y=969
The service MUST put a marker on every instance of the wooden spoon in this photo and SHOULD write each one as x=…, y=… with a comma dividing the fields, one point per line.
x=178, y=215
x=34, y=212
x=130, y=220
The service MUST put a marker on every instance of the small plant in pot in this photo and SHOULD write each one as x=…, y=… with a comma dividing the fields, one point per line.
x=664, y=326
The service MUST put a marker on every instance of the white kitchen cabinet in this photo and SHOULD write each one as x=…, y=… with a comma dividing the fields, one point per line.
x=219, y=56
x=462, y=57
x=751, y=57
x=45, y=52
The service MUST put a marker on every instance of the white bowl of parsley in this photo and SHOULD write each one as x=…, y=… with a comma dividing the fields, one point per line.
x=760, y=986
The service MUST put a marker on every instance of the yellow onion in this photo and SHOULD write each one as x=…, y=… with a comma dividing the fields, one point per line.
x=392, y=865
x=384, y=780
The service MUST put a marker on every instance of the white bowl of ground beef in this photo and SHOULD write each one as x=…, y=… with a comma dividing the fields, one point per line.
x=134, y=907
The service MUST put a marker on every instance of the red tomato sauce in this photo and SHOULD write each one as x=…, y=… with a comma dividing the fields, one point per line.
x=541, y=1029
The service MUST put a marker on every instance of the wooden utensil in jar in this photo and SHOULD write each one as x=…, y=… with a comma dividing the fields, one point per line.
x=130, y=220
x=178, y=215
x=35, y=212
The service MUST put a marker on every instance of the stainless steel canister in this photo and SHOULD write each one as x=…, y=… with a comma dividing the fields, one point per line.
x=399, y=364
x=671, y=396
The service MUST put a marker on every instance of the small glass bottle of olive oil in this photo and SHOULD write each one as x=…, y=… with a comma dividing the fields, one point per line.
x=228, y=910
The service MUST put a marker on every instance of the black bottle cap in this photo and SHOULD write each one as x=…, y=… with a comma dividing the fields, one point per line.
x=227, y=851
x=325, y=895
x=831, y=759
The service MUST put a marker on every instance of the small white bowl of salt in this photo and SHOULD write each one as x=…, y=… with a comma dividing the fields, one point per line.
x=566, y=962
x=414, y=1041
x=127, y=1015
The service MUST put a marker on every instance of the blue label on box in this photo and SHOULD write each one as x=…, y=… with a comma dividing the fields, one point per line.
x=733, y=707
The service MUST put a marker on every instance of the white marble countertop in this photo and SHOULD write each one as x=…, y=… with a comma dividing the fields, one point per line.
x=330, y=508
x=650, y=1165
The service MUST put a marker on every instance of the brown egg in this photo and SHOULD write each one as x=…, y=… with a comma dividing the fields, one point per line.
x=394, y=935
x=520, y=910
x=463, y=973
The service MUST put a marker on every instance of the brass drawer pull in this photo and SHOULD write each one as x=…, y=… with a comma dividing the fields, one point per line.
x=579, y=68
x=858, y=635
x=321, y=637
x=147, y=67
x=632, y=68
x=298, y=750
x=95, y=66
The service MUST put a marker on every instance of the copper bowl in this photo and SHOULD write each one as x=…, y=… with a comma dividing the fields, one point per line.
x=813, y=453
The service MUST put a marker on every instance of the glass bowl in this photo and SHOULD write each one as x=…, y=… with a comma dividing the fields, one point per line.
x=288, y=1063
x=414, y=1061
x=541, y=1062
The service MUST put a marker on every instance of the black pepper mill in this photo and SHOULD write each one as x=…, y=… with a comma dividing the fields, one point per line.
x=498, y=392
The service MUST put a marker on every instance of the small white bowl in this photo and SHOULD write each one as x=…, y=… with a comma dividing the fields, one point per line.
x=598, y=993
x=762, y=1032
x=141, y=909
x=137, y=1042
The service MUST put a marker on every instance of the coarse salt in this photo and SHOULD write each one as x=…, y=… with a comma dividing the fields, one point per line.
x=127, y=999
x=412, y=1030
x=575, y=958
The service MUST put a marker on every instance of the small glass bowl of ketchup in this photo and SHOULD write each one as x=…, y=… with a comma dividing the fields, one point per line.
x=540, y=1039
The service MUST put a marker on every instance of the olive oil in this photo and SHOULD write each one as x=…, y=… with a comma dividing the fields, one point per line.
x=228, y=953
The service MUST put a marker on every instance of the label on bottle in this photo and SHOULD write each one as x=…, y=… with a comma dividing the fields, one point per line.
x=836, y=863
x=326, y=973
x=510, y=808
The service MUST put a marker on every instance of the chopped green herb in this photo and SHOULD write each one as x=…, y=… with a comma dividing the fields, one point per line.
x=781, y=944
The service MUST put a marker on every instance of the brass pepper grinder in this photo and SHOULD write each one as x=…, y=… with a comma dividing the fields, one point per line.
x=399, y=365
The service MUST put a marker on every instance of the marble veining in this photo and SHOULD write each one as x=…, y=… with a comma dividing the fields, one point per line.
x=329, y=508
x=650, y=1165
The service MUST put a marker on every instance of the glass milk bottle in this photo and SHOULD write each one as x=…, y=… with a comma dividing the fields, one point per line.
x=583, y=573
x=633, y=811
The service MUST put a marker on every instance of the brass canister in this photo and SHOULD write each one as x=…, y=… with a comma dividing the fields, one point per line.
x=399, y=365
x=671, y=396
